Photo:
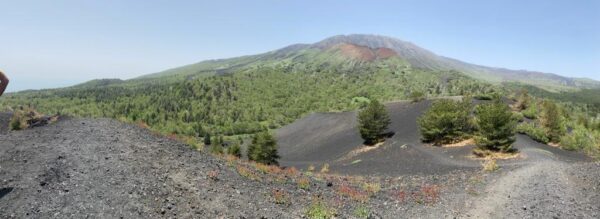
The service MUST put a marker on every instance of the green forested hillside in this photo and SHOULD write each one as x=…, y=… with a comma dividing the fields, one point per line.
x=249, y=94
x=249, y=100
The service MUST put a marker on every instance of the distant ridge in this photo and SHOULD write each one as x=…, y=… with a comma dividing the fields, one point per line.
x=366, y=47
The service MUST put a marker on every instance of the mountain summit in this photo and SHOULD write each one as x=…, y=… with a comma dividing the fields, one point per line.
x=365, y=48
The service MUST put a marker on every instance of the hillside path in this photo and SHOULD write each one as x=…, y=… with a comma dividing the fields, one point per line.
x=543, y=189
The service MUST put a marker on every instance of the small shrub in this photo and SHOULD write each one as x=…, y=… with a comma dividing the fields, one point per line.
x=213, y=175
x=231, y=160
x=311, y=168
x=427, y=194
x=352, y=193
x=398, y=195
x=372, y=188
x=16, y=123
x=291, y=171
x=304, y=183
x=523, y=100
x=216, y=149
x=362, y=212
x=417, y=96
x=143, y=124
x=517, y=116
x=262, y=168
x=483, y=96
x=325, y=168
x=22, y=117
x=318, y=210
x=207, y=140
x=245, y=172
x=531, y=112
x=490, y=165
x=280, y=197
x=235, y=150
x=579, y=139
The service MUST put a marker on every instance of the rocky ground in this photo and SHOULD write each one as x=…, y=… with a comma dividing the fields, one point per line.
x=80, y=168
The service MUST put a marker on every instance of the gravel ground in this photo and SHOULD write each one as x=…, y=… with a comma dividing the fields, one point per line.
x=101, y=168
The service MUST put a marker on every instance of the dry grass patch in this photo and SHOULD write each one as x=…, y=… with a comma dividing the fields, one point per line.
x=304, y=183
x=556, y=145
x=462, y=143
x=231, y=160
x=247, y=172
x=353, y=193
x=490, y=165
x=26, y=117
x=291, y=172
x=371, y=188
x=483, y=154
x=325, y=168
x=213, y=175
x=427, y=194
x=280, y=197
x=360, y=150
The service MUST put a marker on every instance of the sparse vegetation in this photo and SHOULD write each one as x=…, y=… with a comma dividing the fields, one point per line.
x=213, y=175
x=353, y=193
x=373, y=122
x=216, y=148
x=490, y=165
x=371, y=188
x=417, y=96
x=304, y=183
x=24, y=117
x=580, y=139
x=235, y=150
x=280, y=197
x=325, y=168
x=533, y=131
x=427, y=194
x=523, y=100
x=362, y=212
x=319, y=210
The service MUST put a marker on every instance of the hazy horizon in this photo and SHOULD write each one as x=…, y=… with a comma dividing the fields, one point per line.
x=68, y=42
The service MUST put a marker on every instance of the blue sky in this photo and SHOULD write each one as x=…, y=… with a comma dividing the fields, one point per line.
x=46, y=44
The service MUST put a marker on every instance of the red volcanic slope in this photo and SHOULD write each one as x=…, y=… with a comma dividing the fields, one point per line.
x=364, y=53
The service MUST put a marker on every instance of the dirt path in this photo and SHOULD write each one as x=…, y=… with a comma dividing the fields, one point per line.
x=544, y=189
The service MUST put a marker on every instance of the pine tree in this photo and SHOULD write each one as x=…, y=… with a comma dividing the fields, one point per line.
x=523, y=101
x=217, y=145
x=207, y=139
x=446, y=121
x=235, y=150
x=552, y=121
x=373, y=122
x=496, y=126
x=263, y=149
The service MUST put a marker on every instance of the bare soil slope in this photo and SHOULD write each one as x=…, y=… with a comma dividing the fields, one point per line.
x=333, y=138
x=105, y=169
